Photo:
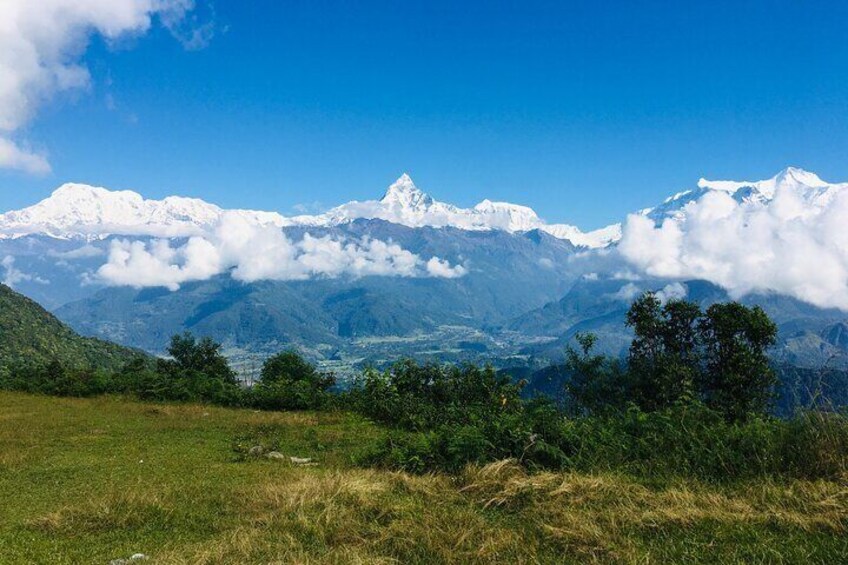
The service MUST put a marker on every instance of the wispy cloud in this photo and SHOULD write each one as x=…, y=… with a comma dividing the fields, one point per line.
x=41, y=49
x=193, y=30
x=12, y=275
x=16, y=157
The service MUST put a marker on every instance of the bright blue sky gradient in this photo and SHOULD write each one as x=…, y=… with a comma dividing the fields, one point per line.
x=583, y=110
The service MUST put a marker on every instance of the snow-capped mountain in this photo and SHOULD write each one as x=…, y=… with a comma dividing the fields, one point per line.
x=245, y=286
x=82, y=211
x=405, y=204
x=805, y=185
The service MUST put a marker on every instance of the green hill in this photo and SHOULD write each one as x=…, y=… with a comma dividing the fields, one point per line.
x=31, y=334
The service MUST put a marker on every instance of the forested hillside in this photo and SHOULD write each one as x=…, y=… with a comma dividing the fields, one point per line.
x=29, y=334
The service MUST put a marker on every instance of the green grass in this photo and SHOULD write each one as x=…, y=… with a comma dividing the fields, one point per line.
x=87, y=481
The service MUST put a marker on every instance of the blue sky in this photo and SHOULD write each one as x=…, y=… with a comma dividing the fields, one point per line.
x=583, y=110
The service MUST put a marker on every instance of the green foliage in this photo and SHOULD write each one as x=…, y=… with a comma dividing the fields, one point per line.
x=289, y=382
x=663, y=360
x=692, y=440
x=56, y=379
x=445, y=416
x=422, y=397
x=31, y=336
x=737, y=377
x=678, y=354
x=196, y=372
x=198, y=356
x=688, y=404
x=598, y=383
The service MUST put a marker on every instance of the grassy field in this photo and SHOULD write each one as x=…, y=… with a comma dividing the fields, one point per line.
x=89, y=481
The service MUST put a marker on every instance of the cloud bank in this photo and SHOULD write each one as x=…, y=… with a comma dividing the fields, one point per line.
x=41, y=46
x=790, y=245
x=251, y=252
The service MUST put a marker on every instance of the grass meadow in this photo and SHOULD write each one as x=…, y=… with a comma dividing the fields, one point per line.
x=93, y=480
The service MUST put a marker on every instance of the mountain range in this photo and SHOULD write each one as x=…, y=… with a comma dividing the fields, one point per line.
x=80, y=211
x=366, y=282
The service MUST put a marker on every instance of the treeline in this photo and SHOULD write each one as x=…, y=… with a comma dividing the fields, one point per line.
x=691, y=399
x=196, y=371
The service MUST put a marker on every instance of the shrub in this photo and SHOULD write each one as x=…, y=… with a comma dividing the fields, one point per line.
x=289, y=382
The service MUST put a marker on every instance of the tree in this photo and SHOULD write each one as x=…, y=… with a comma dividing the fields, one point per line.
x=596, y=383
x=197, y=371
x=664, y=356
x=203, y=356
x=737, y=378
x=289, y=382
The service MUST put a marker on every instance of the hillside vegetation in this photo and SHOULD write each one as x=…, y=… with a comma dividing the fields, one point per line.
x=669, y=456
x=29, y=334
x=91, y=480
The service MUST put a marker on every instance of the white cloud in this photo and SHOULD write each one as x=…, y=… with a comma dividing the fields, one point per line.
x=627, y=292
x=251, y=252
x=789, y=245
x=15, y=157
x=12, y=275
x=189, y=30
x=134, y=263
x=41, y=46
x=672, y=291
x=546, y=263
x=440, y=268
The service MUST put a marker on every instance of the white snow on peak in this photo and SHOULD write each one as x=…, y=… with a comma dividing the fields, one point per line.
x=405, y=204
x=81, y=211
x=403, y=194
x=790, y=177
x=807, y=186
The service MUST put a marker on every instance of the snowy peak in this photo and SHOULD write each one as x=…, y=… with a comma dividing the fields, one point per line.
x=82, y=211
x=790, y=177
x=798, y=177
x=509, y=217
x=405, y=204
x=808, y=186
x=404, y=194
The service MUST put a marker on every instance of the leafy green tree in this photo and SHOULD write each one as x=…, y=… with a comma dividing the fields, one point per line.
x=201, y=356
x=597, y=383
x=664, y=355
x=197, y=371
x=289, y=382
x=737, y=378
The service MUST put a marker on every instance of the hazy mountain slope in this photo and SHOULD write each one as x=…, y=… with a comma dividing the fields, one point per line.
x=504, y=279
x=809, y=336
x=30, y=334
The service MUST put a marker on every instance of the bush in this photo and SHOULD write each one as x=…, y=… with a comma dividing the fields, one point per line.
x=422, y=397
x=289, y=382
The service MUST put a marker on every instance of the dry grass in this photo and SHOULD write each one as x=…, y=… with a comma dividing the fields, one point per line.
x=75, y=490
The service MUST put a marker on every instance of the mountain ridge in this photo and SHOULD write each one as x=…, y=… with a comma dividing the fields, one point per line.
x=81, y=211
x=76, y=210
